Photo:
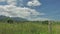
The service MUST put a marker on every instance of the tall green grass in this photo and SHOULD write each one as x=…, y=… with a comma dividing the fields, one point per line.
x=25, y=28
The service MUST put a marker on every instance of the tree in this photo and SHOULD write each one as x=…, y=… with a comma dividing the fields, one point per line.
x=9, y=21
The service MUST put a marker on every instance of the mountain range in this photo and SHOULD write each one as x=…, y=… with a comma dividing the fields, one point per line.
x=4, y=18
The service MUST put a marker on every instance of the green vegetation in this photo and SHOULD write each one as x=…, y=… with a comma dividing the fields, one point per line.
x=27, y=28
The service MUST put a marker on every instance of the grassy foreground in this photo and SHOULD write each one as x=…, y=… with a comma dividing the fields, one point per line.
x=27, y=28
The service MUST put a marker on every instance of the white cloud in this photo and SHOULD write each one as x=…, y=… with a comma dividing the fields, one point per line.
x=13, y=11
x=34, y=3
x=12, y=2
x=2, y=0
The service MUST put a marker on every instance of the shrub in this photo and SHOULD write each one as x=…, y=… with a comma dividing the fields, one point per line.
x=45, y=22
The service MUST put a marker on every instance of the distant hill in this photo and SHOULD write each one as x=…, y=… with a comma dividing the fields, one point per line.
x=4, y=18
x=18, y=19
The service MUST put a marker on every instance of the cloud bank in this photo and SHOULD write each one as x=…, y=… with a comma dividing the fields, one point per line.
x=11, y=10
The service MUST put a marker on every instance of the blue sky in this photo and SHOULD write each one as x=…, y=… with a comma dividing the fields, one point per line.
x=48, y=9
x=51, y=8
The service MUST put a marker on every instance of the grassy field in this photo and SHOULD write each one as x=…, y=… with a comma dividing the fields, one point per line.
x=27, y=28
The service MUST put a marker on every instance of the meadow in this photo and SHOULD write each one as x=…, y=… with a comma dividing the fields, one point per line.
x=27, y=28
